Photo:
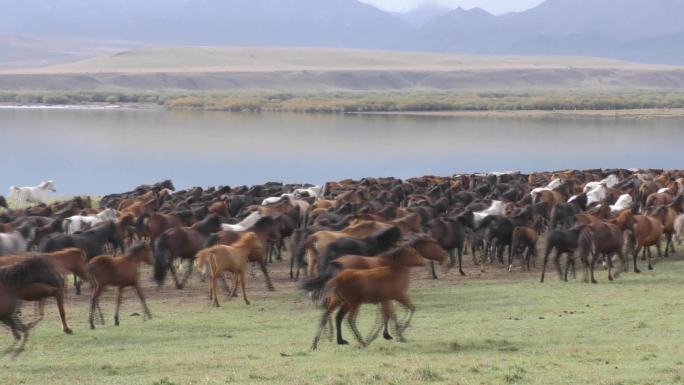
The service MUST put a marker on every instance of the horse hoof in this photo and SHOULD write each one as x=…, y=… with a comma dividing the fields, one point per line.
x=650, y=267
x=68, y=331
x=246, y=302
x=462, y=273
x=92, y=327
x=343, y=342
x=610, y=278
x=637, y=271
x=271, y=288
x=387, y=337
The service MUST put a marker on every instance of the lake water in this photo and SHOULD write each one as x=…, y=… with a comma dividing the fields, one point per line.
x=103, y=151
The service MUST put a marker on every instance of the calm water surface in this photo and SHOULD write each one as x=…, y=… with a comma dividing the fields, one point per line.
x=102, y=151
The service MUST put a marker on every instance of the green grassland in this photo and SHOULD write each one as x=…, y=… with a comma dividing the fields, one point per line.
x=498, y=328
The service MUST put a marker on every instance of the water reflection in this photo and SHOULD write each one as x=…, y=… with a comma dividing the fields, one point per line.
x=100, y=151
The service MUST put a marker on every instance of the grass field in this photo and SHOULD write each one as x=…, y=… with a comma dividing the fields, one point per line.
x=477, y=330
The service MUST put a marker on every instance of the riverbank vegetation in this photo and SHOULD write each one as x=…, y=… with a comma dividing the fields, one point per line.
x=371, y=101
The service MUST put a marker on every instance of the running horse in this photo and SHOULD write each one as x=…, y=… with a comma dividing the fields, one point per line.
x=14, y=280
x=32, y=194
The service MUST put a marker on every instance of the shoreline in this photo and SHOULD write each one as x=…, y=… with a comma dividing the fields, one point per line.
x=646, y=113
x=639, y=113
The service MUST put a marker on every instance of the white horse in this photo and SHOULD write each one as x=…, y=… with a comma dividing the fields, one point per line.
x=246, y=223
x=17, y=241
x=497, y=208
x=609, y=181
x=679, y=227
x=81, y=222
x=552, y=185
x=597, y=194
x=624, y=202
x=274, y=200
x=35, y=194
x=316, y=192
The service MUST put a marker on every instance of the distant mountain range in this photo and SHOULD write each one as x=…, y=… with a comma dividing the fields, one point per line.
x=639, y=30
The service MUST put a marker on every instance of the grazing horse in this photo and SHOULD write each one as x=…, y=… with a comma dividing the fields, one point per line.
x=563, y=241
x=14, y=280
x=35, y=194
x=122, y=272
x=232, y=258
x=353, y=287
x=183, y=243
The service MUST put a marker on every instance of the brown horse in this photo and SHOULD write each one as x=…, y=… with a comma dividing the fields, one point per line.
x=14, y=280
x=353, y=287
x=71, y=260
x=233, y=258
x=604, y=238
x=524, y=243
x=183, y=243
x=152, y=225
x=267, y=230
x=648, y=231
x=122, y=272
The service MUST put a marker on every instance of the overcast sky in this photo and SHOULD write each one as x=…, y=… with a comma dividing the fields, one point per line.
x=493, y=6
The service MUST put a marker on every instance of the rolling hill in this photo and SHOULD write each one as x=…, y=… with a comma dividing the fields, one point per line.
x=258, y=68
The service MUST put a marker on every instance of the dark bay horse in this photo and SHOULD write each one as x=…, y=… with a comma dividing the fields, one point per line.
x=14, y=280
x=183, y=243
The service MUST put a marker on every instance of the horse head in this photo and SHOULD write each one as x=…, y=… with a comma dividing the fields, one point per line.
x=48, y=185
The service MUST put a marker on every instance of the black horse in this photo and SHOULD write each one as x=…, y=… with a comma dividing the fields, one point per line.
x=91, y=241
x=374, y=244
x=450, y=234
x=563, y=241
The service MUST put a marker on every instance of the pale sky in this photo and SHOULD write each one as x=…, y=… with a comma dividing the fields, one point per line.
x=494, y=6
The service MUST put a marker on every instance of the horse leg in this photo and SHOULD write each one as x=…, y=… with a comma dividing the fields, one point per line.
x=139, y=292
x=172, y=269
x=119, y=297
x=351, y=320
x=93, y=303
x=269, y=284
x=292, y=259
x=213, y=289
x=338, y=325
x=591, y=268
x=432, y=268
x=635, y=253
x=401, y=327
x=546, y=260
x=460, y=260
x=242, y=283
x=389, y=315
x=59, y=297
x=331, y=306
x=22, y=328
x=235, y=286
x=187, y=274
x=380, y=321
x=77, y=284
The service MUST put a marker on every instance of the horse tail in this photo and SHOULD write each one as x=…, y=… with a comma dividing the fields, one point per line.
x=330, y=255
x=161, y=262
x=141, y=222
x=316, y=285
x=212, y=240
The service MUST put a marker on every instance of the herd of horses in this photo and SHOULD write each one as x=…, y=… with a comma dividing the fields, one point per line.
x=356, y=240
